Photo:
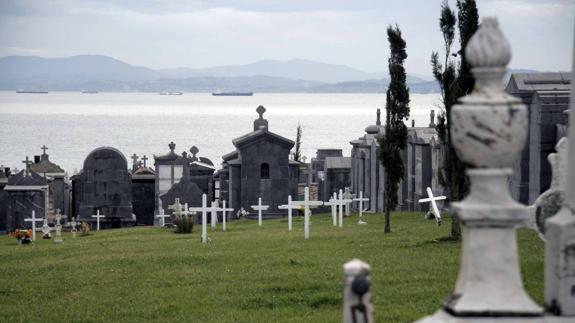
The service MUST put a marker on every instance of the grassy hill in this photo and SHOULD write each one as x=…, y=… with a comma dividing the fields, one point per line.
x=248, y=274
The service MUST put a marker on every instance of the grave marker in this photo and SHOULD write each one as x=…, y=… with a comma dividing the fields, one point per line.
x=306, y=203
x=73, y=224
x=260, y=208
x=162, y=217
x=341, y=202
x=204, y=209
x=98, y=216
x=224, y=215
x=333, y=203
x=33, y=219
x=58, y=237
x=290, y=207
x=431, y=199
x=214, y=213
x=361, y=199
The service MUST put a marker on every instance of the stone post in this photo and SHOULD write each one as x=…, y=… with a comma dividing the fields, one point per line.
x=489, y=130
x=560, y=236
x=357, y=307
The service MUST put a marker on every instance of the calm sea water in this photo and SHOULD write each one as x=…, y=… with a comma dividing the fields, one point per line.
x=73, y=124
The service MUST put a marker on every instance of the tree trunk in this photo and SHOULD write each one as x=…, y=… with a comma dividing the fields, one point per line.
x=455, y=227
x=387, y=222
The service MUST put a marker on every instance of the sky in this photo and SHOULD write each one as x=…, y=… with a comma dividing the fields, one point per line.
x=203, y=33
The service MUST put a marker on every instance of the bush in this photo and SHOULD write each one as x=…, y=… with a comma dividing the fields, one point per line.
x=184, y=223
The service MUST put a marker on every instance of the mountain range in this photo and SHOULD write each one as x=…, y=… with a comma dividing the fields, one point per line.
x=103, y=73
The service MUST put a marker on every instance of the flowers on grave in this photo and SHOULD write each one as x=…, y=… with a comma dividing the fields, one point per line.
x=242, y=213
x=23, y=236
x=85, y=228
x=184, y=222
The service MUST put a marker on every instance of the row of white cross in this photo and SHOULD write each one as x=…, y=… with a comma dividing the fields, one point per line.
x=334, y=202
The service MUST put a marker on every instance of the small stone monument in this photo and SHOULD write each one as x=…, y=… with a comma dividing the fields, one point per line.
x=260, y=208
x=73, y=224
x=46, y=230
x=357, y=306
x=214, y=213
x=58, y=237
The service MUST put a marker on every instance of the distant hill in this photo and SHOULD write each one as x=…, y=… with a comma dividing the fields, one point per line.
x=102, y=73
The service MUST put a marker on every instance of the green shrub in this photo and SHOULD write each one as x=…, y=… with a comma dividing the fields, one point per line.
x=184, y=223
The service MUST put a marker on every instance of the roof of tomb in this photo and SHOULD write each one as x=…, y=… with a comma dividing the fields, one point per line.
x=46, y=166
x=30, y=179
x=421, y=135
x=169, y=157
x=337, y=162
x=530, y=82
x=261, y=130
x=102, y=151
x=144, y=171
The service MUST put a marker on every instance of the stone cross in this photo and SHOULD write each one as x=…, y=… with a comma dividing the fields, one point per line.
x=33, y=219
x=46, y=228
x=134, y=161
x=172, y=146
x=348, y=196
x=162, y=216
x=260, y=208
x=361, y=199
x=306, y=203
x=73, y=224
x=357, y=306
x=98, y=216
x=44, y=148
x=214, y=213
x=333, y=203
x=290, y=207
x=27, y=162
x=58, y=237
x=224, y=215
x=144, y=160
x=341, y=201
x=431, y=199
x=204, y=209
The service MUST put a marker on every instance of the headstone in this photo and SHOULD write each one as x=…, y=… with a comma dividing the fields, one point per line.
x=204, y=209
x=260, y=208
x=361, y=199
x=46, y=230
x=98, y=216
x=58, y=237
x=73, y=224
x=33, y=219
x=306, y=203
x=290, y=207
x=162, y=217
x=224, y=215
x=357, y=306
x=432, y=202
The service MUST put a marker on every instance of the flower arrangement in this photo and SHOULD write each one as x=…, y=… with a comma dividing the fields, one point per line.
x=23, y=236
x=242, y=212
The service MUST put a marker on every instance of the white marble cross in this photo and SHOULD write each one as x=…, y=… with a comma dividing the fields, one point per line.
x=204, y=209
x=162, y=217
x=348, y=196
x=58, y=238
x=214, y=213
x=98, y=216
x=341, y=201
x=33, y=219
x=176, y=207
x=361, y=199
x=260, y=208
x=431, y=199
x=333, y=203
x=306, y=203
x=224, y=216
x=73, y=224
x=290, y=207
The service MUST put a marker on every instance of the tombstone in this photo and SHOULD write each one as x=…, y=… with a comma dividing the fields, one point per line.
x=98, y=216
x=333, y=203
x=162, y=217
x=214, y=213
x=349, y=198
x=143, y=194
x=259, y=207
x=46, y=230
x=105, y=184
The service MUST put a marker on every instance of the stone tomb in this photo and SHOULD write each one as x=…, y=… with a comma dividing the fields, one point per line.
x=104, y=184
x=143, y=192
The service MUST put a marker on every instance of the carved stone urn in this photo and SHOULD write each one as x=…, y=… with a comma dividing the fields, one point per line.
x=489, y=127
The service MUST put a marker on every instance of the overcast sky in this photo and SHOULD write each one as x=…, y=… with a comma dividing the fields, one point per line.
x=202, y=33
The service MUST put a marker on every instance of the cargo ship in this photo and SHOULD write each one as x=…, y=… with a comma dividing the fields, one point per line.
x=171, y=93
x=32, y=92
x=219, y=93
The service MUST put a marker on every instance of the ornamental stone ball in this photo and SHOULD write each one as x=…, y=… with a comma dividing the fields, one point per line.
x=489, y=127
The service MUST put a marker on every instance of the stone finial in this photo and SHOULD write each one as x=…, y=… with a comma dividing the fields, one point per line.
x=413, y=123
x=261, y=110
x=28, y=162
x=194, y=150
x=44, y=148
x=378, y=122
x=432, y=119
x=261, y=123
x=172, y=146
x=488, y=47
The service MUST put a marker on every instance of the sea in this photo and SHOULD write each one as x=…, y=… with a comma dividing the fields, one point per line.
x=72, y=124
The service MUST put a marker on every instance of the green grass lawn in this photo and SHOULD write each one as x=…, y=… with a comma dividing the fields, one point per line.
x=247, y=274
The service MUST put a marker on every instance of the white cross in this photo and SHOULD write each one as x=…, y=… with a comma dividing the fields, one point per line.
x=214, y=213
x=341, y=202
x=98, y=216
x=204, y=209
x=224, y=210
x=361, y=199
x=260, y=208
x=348, y=196
x=306, y=203
x=333, y=203
x=33, y=219
x=162, y=217
x=432, y=200
x=289, y=207
x=177, y=207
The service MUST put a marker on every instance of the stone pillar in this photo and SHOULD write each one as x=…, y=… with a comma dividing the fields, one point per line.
x=560, y=236
x=357, y=307
x=489, y=130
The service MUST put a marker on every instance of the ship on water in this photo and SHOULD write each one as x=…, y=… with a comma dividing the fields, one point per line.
x=31, y=92
x=220, y=93
x=89, y=92
x=171, y=93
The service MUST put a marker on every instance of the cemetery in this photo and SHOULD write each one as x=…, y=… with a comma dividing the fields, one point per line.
x=263, y=236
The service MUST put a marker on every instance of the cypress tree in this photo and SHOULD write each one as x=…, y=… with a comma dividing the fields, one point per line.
x=396, y=109
x=296, y=155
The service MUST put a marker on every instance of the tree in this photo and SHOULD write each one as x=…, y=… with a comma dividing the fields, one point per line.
x=396, y=109
x=454, y=82
x=296, y=155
